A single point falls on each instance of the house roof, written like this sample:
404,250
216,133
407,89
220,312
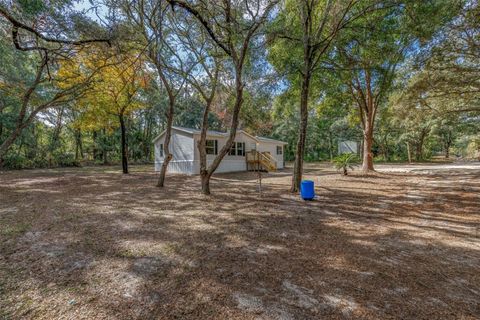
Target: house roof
193,131
263,139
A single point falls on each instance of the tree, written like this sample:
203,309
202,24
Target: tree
233,26
304,33
448,76
114,92
40,91
368,60
154,22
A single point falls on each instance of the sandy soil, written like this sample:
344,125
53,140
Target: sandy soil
90,243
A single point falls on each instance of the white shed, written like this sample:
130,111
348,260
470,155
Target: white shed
248,152
347,147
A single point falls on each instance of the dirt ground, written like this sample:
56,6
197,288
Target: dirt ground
91,243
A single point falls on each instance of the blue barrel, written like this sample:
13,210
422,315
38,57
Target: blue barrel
307,190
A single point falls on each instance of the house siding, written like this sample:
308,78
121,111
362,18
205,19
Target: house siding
181,147
272,148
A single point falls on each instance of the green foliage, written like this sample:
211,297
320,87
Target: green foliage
424,66
346,161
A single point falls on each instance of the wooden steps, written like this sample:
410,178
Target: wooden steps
261,161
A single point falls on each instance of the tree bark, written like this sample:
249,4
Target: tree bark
78,145
447,144
419,147
206,174
409,154
104,147
367,164
205,179
302,134
166,143
124,151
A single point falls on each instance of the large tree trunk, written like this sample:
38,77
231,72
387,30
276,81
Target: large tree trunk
368,120
302,133
367,164
123,130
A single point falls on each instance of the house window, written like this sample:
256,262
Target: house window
279,150
233,150
161,150
211,147
238,149
253,146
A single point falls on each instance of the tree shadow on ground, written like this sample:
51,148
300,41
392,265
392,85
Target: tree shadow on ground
116,246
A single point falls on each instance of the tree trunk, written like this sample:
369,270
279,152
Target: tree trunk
123,143
419,148
409,154
330,145
205,173
367,164
78,145
205,178
302,134
448,143
166,143
104,147
95,150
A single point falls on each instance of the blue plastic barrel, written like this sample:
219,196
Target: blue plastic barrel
307,190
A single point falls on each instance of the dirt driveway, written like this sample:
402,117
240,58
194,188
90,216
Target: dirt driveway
90,243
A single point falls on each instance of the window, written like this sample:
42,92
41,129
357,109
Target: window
161,150
241,149
253,146
279,150
238,149
233,150
211,147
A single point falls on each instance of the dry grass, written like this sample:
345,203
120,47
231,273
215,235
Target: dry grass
93,244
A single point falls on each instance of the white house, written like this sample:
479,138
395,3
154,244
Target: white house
248,152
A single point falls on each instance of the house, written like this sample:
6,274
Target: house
248,152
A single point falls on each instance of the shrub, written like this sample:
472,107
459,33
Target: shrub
15,161
65,160
346,161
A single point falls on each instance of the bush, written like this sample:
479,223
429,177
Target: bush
66,160
15,161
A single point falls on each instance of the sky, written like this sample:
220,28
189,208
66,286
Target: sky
96,11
